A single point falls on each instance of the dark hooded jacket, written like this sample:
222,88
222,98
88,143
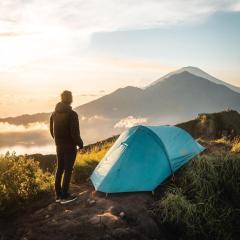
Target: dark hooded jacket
64,126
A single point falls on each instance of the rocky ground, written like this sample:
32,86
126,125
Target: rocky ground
92,216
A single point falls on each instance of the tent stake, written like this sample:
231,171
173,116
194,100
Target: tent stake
173,178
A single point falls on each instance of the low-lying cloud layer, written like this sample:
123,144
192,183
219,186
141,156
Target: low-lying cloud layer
93,129
130,121
8,128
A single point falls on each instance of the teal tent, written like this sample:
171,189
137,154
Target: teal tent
143,157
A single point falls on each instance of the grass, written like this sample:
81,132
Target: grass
236,145
87,161
204,201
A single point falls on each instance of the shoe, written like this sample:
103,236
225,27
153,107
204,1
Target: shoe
68,199
58,199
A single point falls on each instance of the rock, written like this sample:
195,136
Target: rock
115,210
67,226
68,211
54,221
50,207
39,211
122,214
109,220
147,226
125,233
82,193
120,233
24,238
95,220
91,202
106,237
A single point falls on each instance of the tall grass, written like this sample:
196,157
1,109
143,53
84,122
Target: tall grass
236,145
204,203
87,161
21,180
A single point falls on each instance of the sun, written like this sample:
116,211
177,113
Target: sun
30,43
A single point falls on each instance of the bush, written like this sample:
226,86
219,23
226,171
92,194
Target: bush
21,180
204,203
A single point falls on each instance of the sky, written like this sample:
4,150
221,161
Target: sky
93,47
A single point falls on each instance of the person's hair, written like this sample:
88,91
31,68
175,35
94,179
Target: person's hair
66,97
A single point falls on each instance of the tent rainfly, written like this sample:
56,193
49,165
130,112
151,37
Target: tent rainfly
143,157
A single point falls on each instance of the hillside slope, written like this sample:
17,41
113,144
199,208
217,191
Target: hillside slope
117,104
181,208
214,125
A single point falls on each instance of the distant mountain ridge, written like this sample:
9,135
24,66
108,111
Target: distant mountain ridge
26,118
180,93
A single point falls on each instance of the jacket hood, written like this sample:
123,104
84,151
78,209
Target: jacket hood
62,107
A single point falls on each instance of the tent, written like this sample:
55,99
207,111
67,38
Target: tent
143,157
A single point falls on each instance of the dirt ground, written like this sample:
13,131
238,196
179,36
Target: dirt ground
92,216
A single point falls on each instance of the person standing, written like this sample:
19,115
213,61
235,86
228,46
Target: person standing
64,128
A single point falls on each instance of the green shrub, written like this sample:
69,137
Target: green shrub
21,180
204,202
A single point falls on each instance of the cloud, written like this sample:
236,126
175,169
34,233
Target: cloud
236,7
90,95
107,15
133,64
130,121
11,34
62,27
94,118
11,128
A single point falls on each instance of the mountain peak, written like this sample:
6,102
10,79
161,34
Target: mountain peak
199,73
191,68
128,89
196,71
